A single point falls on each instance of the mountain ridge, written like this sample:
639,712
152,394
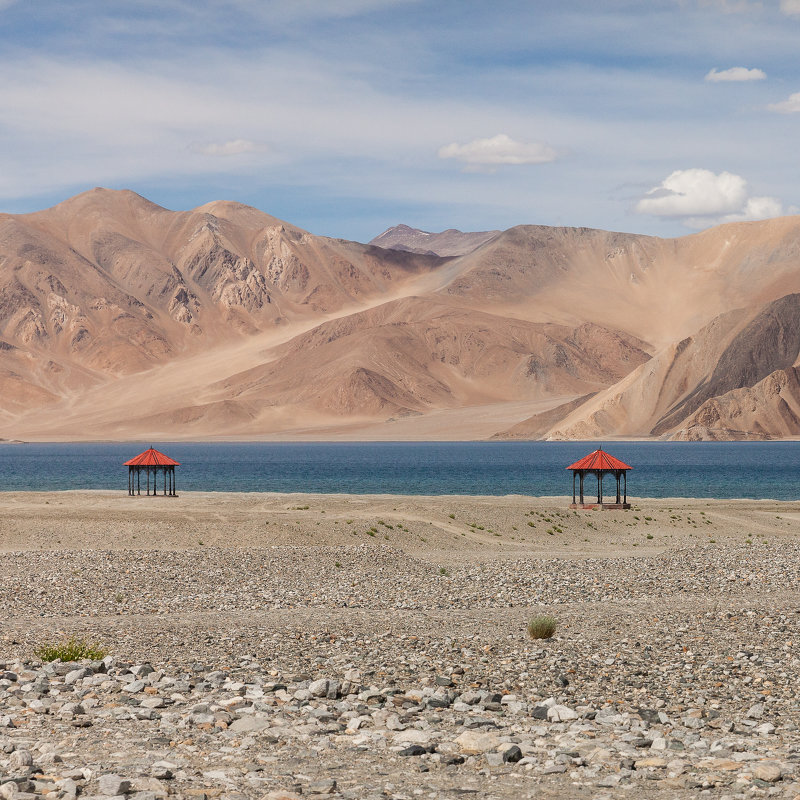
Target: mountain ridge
242,325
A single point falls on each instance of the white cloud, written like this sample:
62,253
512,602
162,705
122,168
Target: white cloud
500,149
704,198
790,7
234,147
789,106
736,74
688,192
757,208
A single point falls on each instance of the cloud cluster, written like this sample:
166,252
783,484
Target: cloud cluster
789,106
498,150
790,7
735,74
701,198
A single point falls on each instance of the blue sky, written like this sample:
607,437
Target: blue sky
348,116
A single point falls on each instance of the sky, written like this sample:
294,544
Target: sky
345,117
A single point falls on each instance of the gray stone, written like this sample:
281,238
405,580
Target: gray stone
112,785
413,750
755,711
768,771
475,743
252,723
558,713
511,754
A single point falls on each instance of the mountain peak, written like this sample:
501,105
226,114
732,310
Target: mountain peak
451,242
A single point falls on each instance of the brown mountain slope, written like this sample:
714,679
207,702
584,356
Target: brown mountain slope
113,284
769,409
633,405
661,290
119,318
413,355
702,383
768,343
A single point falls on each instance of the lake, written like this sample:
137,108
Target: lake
660,469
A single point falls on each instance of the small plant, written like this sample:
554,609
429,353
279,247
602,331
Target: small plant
649,535
72,649
452,516
443,572
541,627
371,532
337,564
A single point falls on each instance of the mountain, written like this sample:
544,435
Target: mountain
451,242
122,319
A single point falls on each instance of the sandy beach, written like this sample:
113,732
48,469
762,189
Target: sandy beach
375,646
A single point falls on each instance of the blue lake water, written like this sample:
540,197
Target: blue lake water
660,469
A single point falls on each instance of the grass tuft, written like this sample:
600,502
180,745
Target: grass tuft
72,649
541,627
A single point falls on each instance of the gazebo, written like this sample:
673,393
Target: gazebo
600,463
151,461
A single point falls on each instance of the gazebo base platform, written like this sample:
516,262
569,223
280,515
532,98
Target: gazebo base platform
601,506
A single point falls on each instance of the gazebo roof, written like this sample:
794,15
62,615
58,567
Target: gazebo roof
152,458
599,460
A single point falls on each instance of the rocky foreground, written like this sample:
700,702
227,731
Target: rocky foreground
364,671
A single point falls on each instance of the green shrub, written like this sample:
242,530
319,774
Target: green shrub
541,627
72,649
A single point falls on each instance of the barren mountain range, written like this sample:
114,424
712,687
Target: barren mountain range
121,319
451,242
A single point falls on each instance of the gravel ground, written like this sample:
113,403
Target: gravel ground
282,646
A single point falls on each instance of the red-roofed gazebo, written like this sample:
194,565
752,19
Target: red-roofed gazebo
600,463
151,461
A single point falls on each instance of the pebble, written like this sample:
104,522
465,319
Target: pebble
274,675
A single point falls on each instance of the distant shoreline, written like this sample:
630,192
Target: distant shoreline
559,500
